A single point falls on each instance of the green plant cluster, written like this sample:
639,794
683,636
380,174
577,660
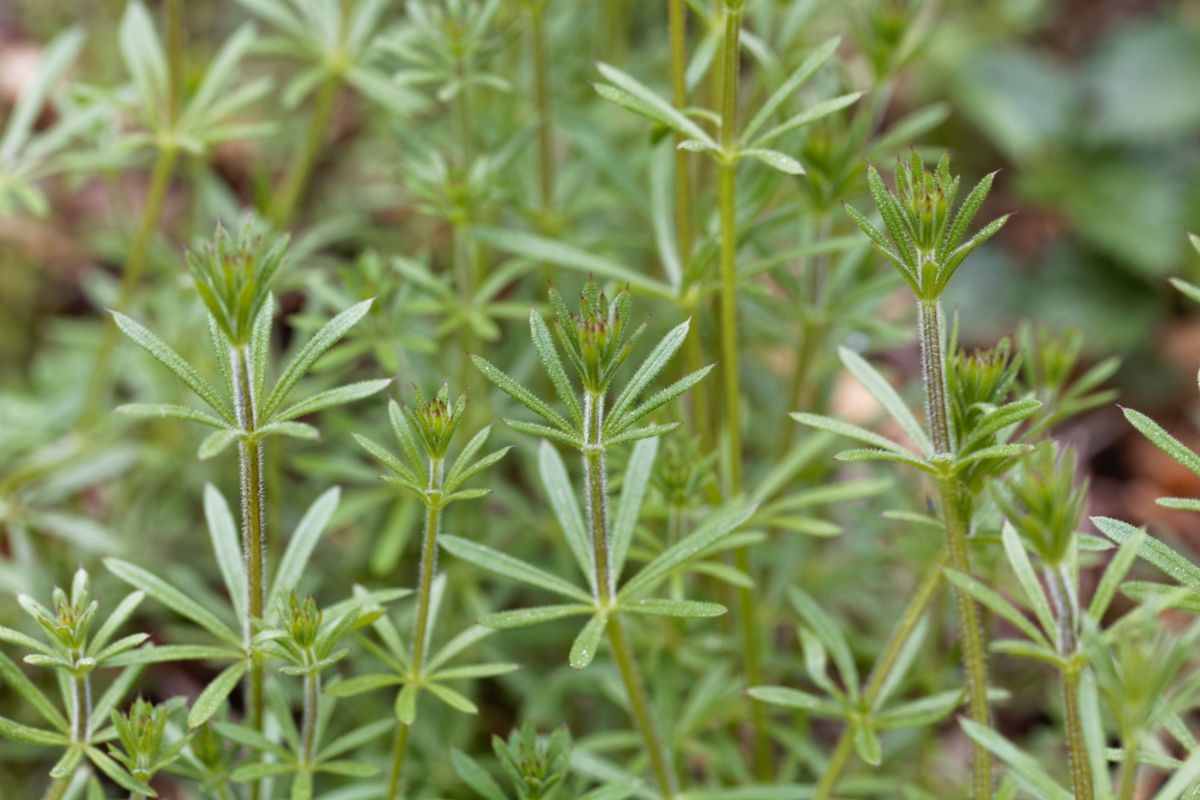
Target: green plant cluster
650,247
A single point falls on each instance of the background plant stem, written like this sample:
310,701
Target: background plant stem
131,273
308,720
727,188
81,707
541,91
1129,769
299,171
918,604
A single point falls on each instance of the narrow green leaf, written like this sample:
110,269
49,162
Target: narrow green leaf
997,604
629,506
628,92
560,493
544,344
774,159
720,523
675,608
172,598
1030,585
214,695
851,431
24,733
512,568
1163,440
522,395
788,88
649,369
304,541
363,683
19,683
338,396
406,704
1023,765
866,744
1114,574
795,698
524,617
1153,551
588,641
456,700
166,411
176,364
321,341
475,776
887,396
222,531
808,116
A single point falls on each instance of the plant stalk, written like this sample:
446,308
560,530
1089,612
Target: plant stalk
933,371
131,273
918,604
308,722
1081,770
1129,769
81,707
57,790
677,15
254,541
299,172
541,91
727,187
433,526
643,715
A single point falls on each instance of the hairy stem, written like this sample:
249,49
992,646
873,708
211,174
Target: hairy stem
1081,769
918,604
933,370
643,715
956,515
131,274
254,541
596,480
81,707
308,721
677,14
433,526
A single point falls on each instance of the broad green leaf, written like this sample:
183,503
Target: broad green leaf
629,505
887,396
313,349
214,695
675,608
720,523
222,530
304,541
172,598
524,617
588,641
561,495
176,364
1024,766
1152,550
512,568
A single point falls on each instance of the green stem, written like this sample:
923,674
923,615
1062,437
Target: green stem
956,515
81,707
933,370
747,612
1081,769
541,91
299,171
918,604
1129,769
399,749
596,480
131,273
433,526
254,542
308,722
57,790
683,180
660,760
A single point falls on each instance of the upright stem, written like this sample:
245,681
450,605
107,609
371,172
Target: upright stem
131,273
683,179
299,171
747,615
1081,769
308,722
541,91
254,541
933,371
926,591
596,480
1129,768
57,790
643,715
81,707
433,526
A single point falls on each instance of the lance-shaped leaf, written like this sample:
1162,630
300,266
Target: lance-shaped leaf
588,641
173,598
719,524
628,92
509,567
1153,551
887,396
214,695
561,495
629,505
304,541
